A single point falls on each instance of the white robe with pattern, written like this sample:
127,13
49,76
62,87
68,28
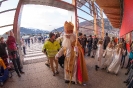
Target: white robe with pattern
68,54
115,65
108,54
99,56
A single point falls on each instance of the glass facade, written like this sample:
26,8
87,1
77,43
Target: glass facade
86,17
9,4
7,13
84,10
5,29
7,18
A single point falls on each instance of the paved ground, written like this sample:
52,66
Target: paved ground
37,75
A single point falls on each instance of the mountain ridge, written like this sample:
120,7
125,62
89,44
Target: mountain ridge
24,30
107,25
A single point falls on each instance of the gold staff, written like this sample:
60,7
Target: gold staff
76,29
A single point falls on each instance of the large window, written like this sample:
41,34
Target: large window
7,13
10,4
5,29
7,18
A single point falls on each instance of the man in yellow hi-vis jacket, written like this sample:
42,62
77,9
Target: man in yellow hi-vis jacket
51,47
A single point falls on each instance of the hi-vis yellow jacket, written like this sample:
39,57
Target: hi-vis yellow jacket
2,63
51,48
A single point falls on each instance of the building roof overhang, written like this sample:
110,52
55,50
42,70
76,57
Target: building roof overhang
113,10
55,3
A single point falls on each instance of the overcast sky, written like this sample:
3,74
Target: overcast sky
43,17
38,16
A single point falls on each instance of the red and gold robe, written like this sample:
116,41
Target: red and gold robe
74,65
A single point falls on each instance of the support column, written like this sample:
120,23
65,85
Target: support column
95,19
74,2
16,27
102,22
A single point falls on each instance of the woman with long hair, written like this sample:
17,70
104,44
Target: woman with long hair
115,65
108,55
99,54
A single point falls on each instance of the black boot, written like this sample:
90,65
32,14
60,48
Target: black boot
127,72
96,67
22,72
17,71
88,55
57,72
53,74
126,81
73,82
92,56
47,65
66,81
18,74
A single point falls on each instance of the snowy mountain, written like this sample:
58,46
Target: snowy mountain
88,24
24,30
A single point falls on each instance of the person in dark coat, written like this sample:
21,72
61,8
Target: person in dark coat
28,42
130,76
13,53
106,41
124,52
85,41
80,39
129,62
94,46
3,53
89,41
131,84
131,45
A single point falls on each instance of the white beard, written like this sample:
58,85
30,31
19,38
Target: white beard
67,42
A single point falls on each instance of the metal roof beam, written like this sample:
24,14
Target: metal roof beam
3,1
8,10
6,25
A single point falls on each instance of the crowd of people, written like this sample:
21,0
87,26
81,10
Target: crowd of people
66,46
68,51
109,53
26,42
9,52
